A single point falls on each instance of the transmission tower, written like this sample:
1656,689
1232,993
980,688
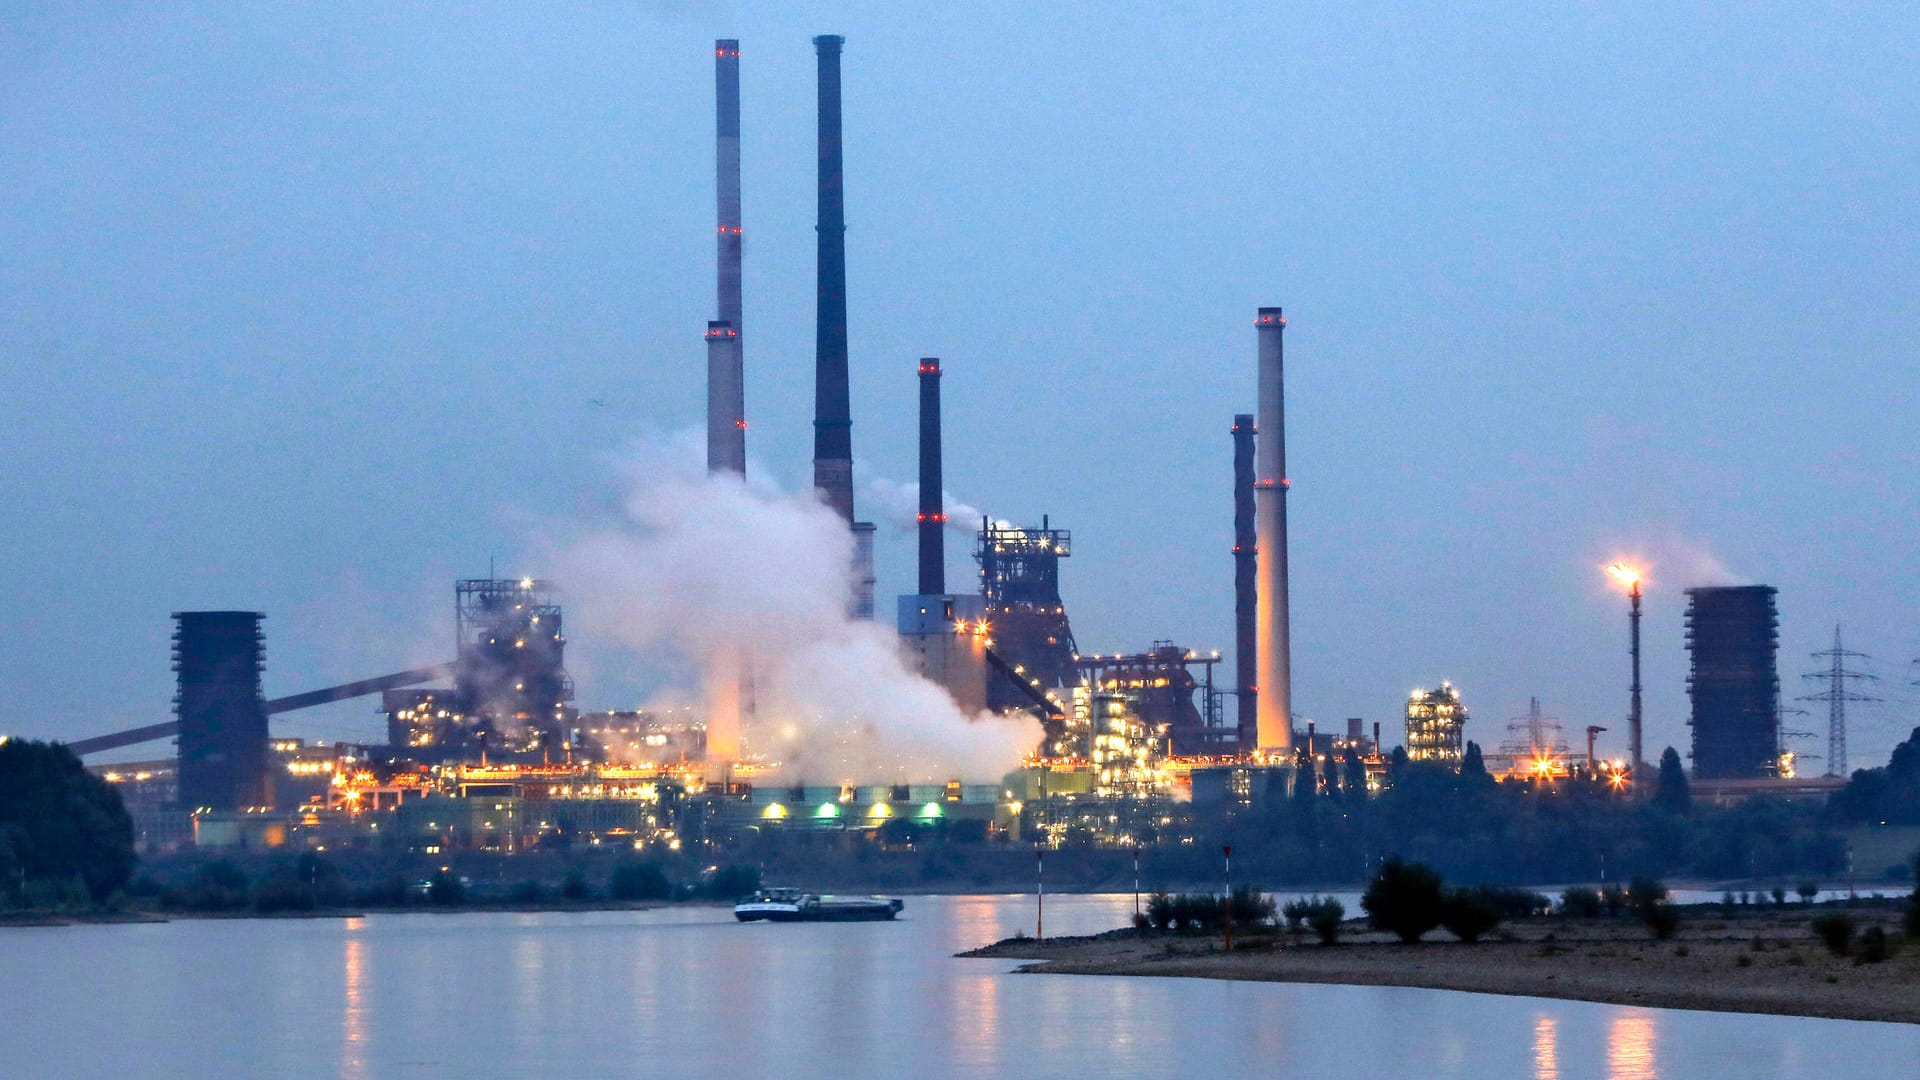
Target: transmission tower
1836,695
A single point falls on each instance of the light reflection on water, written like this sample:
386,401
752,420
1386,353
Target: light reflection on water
1630,1053
688,992
1546,1049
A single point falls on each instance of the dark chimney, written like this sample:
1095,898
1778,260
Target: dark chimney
1244,660
832,411
933,514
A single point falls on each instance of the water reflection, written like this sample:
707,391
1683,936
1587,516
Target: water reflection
1546,1049
353,1049
1630,1050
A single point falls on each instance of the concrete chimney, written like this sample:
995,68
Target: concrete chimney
832,411
1245,677
933,514
726,401
726,97
1272,646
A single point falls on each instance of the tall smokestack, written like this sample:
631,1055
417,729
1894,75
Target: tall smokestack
726,401
726,379
1245,677
1272,645
933,514
726,98
832,412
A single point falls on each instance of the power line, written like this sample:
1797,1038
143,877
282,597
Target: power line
1836,695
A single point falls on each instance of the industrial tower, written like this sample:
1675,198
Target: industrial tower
1273,645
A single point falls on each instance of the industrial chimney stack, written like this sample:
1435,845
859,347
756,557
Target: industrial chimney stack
726,379
933,513
1272,646
832,410
1246,680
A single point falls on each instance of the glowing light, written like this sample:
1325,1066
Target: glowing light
774,812
1624,574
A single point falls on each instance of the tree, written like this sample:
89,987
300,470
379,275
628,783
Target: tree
1671,792
1468,914
1473,765
62,821
1886,795
1404,899
639,881
1356,772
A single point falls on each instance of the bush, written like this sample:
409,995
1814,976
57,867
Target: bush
1580,902
1873,947
445,889
1779,894
1835,931
1662,918
1323,914
1514,903
639,881
1646,891
527,892
55,894
1142,922
1468,914
1614,898
282,892
392,892
1250,906
1404,899
1807,890
216,886
732,882
1160,911
574,886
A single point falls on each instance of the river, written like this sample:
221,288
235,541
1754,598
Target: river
687,992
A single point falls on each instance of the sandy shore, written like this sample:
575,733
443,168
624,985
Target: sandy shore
1758,963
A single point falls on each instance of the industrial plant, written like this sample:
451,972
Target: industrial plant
490,750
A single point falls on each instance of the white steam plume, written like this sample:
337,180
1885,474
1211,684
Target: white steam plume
899,504
702,564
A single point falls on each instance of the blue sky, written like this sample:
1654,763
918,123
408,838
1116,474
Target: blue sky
304,310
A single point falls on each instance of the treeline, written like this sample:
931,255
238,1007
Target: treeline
1888,795
1467,826
310,882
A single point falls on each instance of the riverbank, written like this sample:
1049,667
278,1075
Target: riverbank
1754,963
161,915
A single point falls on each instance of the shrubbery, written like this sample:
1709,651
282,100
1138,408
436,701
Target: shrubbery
1580,902
1835,931
1404,899
1207,911
1322,914
1469,914
639,881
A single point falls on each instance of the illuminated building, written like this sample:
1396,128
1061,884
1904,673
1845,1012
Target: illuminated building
1435,722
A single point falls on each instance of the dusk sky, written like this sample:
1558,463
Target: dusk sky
308,310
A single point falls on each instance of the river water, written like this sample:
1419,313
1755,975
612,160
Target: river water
687,992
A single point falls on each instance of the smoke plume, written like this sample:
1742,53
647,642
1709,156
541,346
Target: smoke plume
697,566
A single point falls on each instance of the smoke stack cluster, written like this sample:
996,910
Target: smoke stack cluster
1273,646
1245,677
933,514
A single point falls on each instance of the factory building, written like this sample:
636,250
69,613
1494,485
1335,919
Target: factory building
1163,685
511,687
1436,721
1020,582
217,660
1732,644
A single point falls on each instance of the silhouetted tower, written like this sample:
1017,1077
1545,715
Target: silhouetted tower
1732,642
1244,558
1836,695
217,659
